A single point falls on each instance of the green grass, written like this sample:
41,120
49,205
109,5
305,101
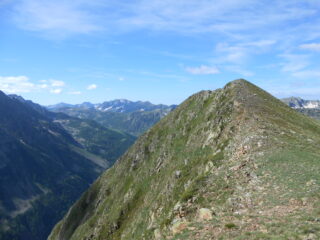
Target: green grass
144,189
230,225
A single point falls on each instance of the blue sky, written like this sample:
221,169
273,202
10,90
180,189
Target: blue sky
156,50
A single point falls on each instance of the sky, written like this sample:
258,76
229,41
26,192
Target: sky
156,50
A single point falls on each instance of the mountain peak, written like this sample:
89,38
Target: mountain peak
223,159
239,81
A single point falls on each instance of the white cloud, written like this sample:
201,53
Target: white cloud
311,46
22,84
92,87
57,83
294,62
203,70
16,84
121,78
56,91
75,93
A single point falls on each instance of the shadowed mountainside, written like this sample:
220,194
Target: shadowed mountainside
43,169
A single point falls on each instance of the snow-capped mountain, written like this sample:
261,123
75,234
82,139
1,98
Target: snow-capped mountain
296,102
120,114
118,105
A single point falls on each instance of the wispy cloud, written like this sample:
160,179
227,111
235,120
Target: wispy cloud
294,62
307,74
228,17
203,70
236,54
242,30
235,57
299,66
240,52
57,18
92,87
311,46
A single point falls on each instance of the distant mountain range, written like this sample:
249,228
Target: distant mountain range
121,115
118,105
47,160
296,102
307,107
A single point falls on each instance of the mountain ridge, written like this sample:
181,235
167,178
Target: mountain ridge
121,115
220,165
116,105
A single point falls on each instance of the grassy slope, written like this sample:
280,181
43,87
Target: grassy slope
248,158
98,140
314,113
40,174
134,123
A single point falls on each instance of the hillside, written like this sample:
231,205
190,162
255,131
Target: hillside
122,115
94,138
234,163
314,113
107,144
43,169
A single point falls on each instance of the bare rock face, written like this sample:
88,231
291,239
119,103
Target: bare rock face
204,214
179,226
225,164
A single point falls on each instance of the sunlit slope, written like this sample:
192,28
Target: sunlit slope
235,163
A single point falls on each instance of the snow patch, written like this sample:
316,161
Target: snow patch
107,109
312,105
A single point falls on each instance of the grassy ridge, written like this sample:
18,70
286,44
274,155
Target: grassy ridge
237,154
